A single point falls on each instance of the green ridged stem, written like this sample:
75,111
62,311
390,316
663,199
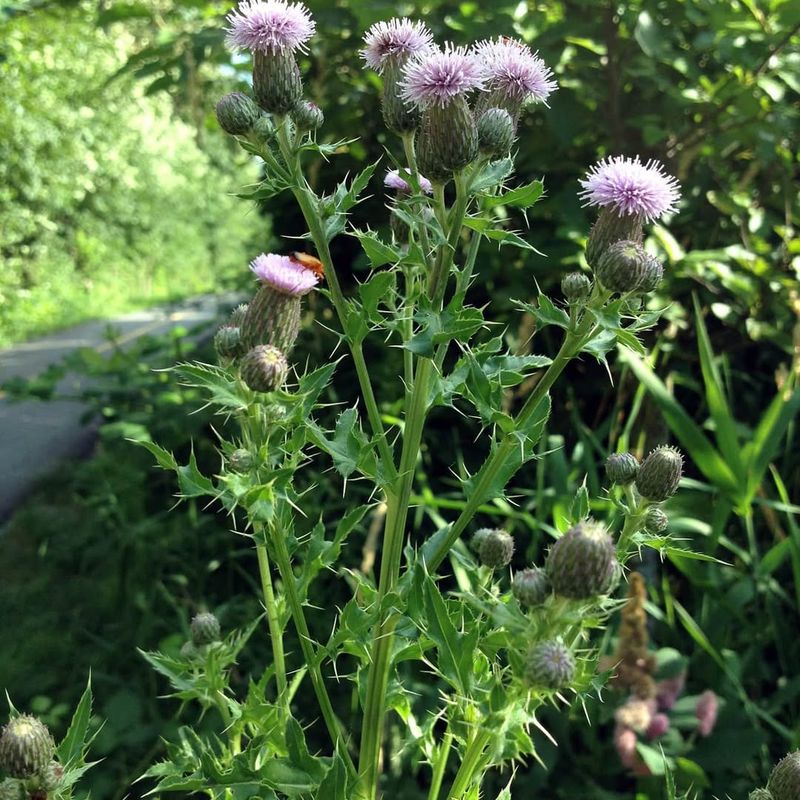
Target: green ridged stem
573,343
470,764
440,766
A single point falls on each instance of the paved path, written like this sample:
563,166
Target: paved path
36,436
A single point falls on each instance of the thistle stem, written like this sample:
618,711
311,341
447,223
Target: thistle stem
310,656
397,514
440,766
411,158
275,630
470,764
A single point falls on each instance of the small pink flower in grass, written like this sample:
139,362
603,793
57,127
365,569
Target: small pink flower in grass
625,745
436,77
631,187
394,180
283,274
269,26
669,690
658,726
515,71
398,39
706,711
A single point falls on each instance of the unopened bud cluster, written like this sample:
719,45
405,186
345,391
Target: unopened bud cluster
582,563
28,758
495,547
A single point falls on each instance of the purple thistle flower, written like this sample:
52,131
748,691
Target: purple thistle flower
436,77
269,26
398,38
394,180
283,274
631,187
515,71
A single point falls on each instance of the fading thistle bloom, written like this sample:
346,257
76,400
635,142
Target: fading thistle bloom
394,180
283,274
631,188
514,71
397,40
269,26
437,77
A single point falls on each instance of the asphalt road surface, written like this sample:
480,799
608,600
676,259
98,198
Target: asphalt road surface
36,436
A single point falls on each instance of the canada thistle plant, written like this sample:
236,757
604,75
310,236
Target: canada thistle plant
503,646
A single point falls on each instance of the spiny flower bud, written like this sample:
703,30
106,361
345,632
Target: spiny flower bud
399,116
784,782
273,316
655,521
228,342
238,315
653,274
277,85
624,266
660,474
495,132
530,587
189,650
583,562
51,777
621,468
237,113
495,547
760,794
576,287
240,460
26,747
307,116
205,628
264,368
11,789
549,665
264,130
611,228
448,139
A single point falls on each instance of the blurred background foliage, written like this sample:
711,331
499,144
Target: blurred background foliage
116,191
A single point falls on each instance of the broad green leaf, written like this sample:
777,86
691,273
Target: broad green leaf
521,197
491,175
163,457
378,252
375,291
192,482
334,784
724,422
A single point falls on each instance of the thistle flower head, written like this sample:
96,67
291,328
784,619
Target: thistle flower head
269,26
283,274
394,180
631,187
437,77
515,71
397,39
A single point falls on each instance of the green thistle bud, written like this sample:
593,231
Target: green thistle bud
277,85
11,790
660,474
228,342
272,317
655,521
784,782
621,468
530,587
264,368
238,315
624,266
495,547
576,287
307,116
609,228
549,665
51,777
241,460
189,651
26,747
760,794
264,130
447,141
495,132
399,116
583,562
653,273
237,113
205,629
